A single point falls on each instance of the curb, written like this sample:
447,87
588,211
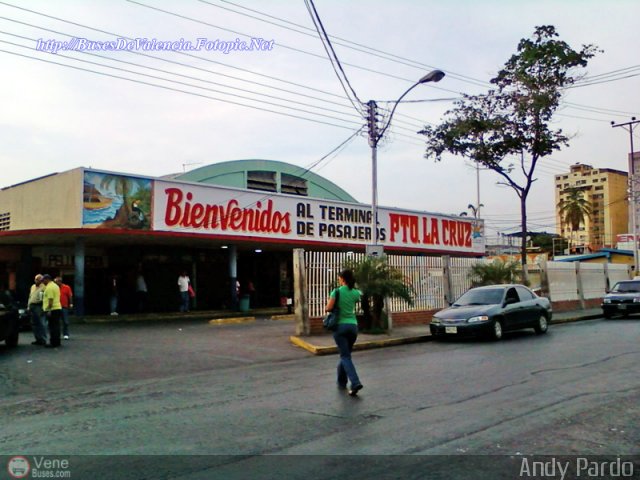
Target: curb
575,319
226,321
320,350
286,317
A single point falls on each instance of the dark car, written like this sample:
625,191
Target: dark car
9,321
493,310
622,299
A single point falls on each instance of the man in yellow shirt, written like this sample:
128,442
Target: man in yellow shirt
34,305
52,309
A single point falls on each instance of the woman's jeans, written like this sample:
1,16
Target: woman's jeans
345,336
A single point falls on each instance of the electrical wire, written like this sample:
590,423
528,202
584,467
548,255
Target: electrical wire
174,89
333,58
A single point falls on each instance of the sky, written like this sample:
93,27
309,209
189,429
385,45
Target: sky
162,112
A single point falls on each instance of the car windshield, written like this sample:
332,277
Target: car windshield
626,287
484,296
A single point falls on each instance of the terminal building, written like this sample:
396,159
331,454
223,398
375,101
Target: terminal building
228,224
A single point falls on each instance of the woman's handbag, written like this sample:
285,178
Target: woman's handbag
330,321
192,292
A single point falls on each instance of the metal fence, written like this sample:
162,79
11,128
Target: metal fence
426,276
437,280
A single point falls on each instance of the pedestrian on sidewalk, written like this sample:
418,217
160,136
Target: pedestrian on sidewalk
347,332
66,300
52,309
141,292
183,286
113,298
34,306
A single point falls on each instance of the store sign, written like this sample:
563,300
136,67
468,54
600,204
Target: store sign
185,208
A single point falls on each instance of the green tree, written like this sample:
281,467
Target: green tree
377,280
574,208
494,273
510,124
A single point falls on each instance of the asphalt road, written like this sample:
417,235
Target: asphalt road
190,400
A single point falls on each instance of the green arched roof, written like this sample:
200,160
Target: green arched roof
234,173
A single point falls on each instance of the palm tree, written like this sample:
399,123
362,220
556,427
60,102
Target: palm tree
494,273
574,208
377,280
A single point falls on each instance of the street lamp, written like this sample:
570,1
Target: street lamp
374,138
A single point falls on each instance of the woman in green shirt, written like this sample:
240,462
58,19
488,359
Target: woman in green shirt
347,332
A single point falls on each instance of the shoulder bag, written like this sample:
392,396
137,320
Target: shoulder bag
330,321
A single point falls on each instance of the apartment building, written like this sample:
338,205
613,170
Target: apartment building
606,190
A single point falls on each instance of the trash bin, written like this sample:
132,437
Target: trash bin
244,303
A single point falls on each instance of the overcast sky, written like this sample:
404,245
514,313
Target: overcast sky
54,118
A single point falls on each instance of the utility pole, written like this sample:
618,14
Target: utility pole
374,138
633,187
375,134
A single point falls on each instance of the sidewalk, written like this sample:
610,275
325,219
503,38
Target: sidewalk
212,316
324,344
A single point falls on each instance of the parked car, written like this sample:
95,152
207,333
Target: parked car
622,299
493,310
9,321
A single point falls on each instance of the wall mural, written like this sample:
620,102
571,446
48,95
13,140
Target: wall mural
116,201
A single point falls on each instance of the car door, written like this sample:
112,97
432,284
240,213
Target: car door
512,309
530,308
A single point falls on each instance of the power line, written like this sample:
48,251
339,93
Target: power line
288,47
175,89
188,84
188,65
172,73
333,58
347,43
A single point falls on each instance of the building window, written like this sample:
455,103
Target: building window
265,181
293,185
599,187
5,221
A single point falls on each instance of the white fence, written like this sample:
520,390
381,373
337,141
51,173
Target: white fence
582,281
437,280
426,275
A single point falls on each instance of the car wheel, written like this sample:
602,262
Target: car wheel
607,315
542,325
496,333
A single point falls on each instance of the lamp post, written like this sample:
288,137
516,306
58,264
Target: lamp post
374,138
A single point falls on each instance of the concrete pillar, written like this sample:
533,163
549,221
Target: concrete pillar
78,283
447,280
233,275
579,286
303,326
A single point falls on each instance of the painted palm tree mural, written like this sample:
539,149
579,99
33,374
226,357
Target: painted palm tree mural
116,201
574,208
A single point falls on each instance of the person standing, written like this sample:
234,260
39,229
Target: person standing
141,292
34,305
66,300
113,300
183,287
347,332
52,309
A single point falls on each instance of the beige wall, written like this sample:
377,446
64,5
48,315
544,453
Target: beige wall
50,202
